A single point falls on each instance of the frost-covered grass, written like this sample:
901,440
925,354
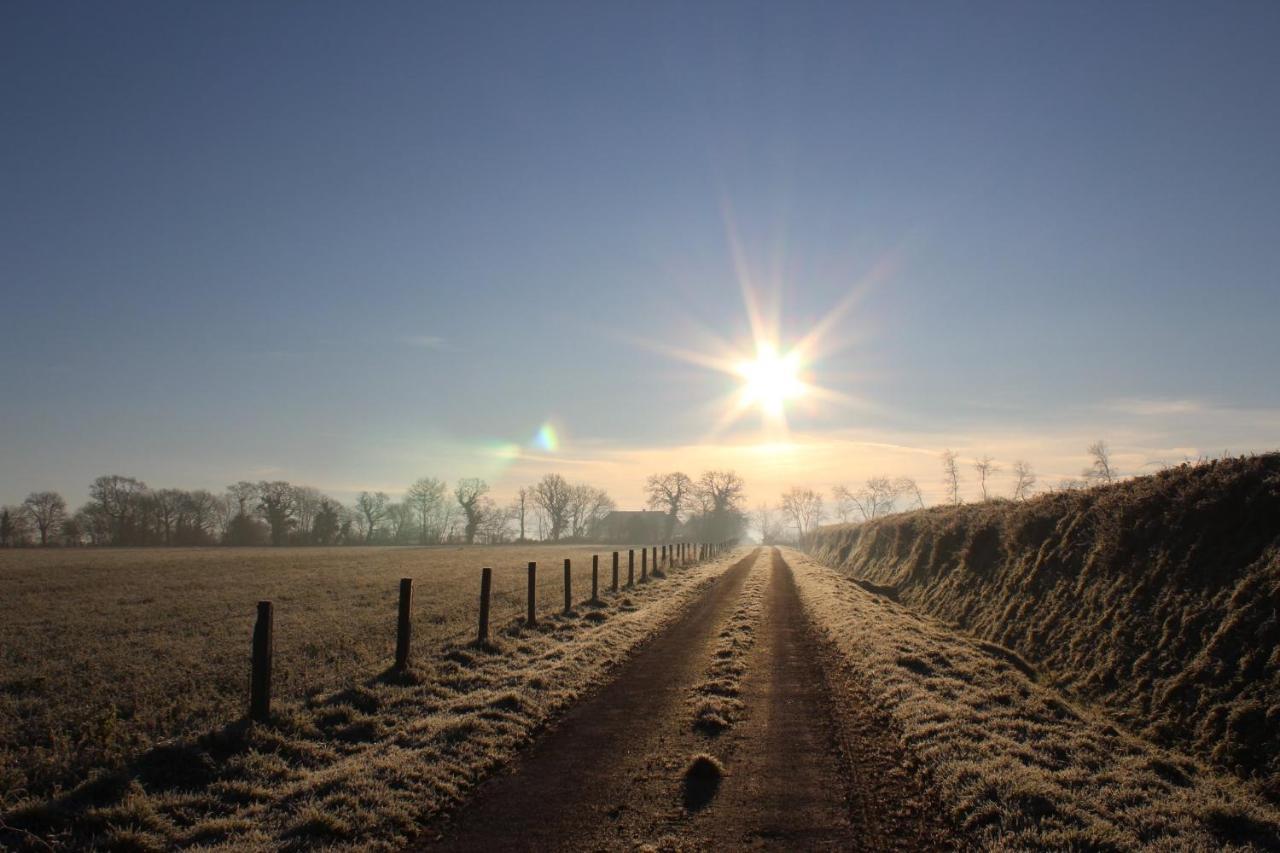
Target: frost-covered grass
360,765
104,652
716,705
1015,765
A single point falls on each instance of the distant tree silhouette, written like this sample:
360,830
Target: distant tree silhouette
553,496
276,504
373,507
1024,480
669,493
986,468
47,511
1101,471
468,493
951,477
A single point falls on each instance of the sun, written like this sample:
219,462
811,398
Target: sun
771,379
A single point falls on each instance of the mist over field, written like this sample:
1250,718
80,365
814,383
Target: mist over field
567,426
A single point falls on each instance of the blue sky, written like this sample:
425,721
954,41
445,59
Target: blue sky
352,244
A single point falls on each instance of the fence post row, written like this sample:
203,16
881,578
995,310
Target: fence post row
486,585
404,624
260,680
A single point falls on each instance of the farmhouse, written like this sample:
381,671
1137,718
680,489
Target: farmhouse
638,526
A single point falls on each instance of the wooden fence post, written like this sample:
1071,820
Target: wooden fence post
260,681
595,577
568,580
486,584
405,624
631,567
615,571
531,618
644,564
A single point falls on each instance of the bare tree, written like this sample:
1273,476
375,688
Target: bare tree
553,495
199,520
121,500
770,528
166,506
804,508
306,502
426,496
587,505
47,511
1024,480
1101,471
844,503
401,517
669,493
951,476
986,467
909,487
519,509
276,505
495,522
721,494
373,506
243,493
468,493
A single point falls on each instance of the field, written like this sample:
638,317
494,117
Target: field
104,652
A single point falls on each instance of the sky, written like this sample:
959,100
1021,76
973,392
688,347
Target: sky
350,245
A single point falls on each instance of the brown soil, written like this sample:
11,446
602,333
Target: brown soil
804,767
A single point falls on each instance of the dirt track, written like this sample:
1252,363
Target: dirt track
806,769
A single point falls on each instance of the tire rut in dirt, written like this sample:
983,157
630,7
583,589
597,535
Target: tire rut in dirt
581,776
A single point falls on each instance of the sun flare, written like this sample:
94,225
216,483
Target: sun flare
771,379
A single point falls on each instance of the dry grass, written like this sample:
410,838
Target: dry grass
716,705
1015,765
1155,597
359,767
105,652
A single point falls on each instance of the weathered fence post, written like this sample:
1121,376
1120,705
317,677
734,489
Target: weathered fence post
486,584
568,580
644,564
260,681
595,577
615,571
531,618
404,624
631,567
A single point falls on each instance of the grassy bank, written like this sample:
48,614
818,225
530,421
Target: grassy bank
1155,597
1014,765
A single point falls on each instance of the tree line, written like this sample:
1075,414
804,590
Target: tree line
801,510
124,510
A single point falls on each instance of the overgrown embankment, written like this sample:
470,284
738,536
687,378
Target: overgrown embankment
1156,597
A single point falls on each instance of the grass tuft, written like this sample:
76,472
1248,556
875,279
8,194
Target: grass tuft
701,781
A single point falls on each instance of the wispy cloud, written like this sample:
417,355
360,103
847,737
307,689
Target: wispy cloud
1156,407
435,342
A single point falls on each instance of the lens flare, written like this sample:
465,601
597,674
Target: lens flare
546,438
